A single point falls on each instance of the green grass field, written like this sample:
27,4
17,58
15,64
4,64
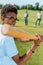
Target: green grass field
37,57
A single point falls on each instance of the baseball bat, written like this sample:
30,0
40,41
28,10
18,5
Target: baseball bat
9,30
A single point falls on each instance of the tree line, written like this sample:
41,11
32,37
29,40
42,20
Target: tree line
28,7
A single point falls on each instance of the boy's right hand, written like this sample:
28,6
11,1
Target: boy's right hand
37,42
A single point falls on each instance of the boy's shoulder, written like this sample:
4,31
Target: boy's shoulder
3,36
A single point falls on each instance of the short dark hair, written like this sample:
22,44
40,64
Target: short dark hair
8,8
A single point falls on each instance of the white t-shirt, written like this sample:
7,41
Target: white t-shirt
25,15
39,15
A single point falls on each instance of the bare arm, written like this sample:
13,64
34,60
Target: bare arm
23,59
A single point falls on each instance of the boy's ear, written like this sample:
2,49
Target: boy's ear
2,18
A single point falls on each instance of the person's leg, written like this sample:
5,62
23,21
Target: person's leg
26,21
36,22
39,22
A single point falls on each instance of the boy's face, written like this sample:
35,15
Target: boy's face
10,18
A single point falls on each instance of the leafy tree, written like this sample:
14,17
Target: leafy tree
24,7
1,6
17,6
37,6
41,7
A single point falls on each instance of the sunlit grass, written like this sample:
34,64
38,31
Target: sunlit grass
37,57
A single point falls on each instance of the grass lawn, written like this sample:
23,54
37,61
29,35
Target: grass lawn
37,57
